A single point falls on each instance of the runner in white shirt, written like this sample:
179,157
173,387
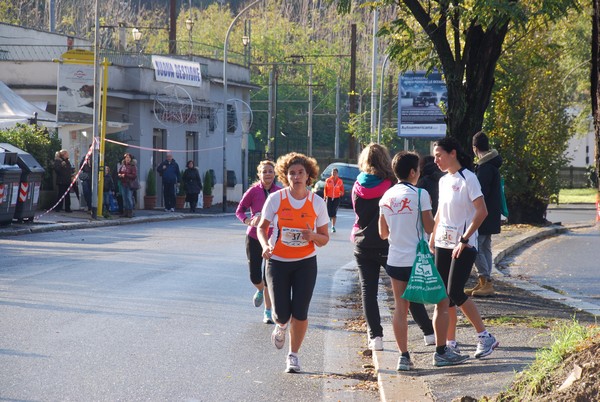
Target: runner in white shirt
461,210
399,223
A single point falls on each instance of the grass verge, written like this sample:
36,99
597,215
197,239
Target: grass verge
568,337
577,196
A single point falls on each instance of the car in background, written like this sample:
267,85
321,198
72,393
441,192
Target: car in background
425,99
347,172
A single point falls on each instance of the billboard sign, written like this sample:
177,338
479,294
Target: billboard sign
176,71
75,101
419,97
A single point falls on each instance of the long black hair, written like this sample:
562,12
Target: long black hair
449,144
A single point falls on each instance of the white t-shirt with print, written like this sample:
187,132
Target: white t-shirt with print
400,207
269,212
455,207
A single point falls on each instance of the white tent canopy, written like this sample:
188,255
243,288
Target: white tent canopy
14,109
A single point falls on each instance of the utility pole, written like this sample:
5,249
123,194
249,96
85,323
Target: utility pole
310,110
336,152
352,94
173,27
374,75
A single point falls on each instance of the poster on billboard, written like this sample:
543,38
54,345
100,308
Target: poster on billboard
419,98
75,100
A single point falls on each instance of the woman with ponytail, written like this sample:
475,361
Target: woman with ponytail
461,210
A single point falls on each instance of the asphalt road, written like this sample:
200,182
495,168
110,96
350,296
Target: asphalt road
162,311
567,263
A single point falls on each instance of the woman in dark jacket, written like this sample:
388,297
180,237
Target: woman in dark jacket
370,250
192,185
127,174
64,172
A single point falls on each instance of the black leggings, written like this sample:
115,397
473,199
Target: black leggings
455,272
291,286
255,260
369,262
332,206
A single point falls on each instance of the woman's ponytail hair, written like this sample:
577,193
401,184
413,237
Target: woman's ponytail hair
449,144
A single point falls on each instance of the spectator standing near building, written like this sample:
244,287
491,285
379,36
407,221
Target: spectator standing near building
254,199
370,250
169,171
332,193
461,211
405,212
192,185
302,223
487,170
127,174
108,190
86,180
64,174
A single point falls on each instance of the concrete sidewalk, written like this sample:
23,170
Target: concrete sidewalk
518,299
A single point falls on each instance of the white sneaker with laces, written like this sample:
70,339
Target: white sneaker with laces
292,364
376,343
278,336
486,345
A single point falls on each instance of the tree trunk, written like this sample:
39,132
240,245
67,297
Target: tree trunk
470,81
594,87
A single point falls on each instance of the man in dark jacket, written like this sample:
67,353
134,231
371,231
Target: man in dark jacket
487,171
169,171
64,171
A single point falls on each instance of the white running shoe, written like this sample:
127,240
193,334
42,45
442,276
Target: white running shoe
278,336
376,343
429,339
292,364
486,346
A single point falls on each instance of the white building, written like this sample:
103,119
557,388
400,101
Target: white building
149,112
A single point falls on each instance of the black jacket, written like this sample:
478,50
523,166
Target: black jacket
429,180
64,170
488,173
191,181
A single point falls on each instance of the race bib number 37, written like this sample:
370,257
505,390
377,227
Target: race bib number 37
292,237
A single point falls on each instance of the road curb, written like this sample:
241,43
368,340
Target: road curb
50,227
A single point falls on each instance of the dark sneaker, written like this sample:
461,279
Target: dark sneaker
405,364
278,336
292,364
450,358
486,346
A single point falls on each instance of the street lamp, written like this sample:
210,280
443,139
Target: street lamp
137,36
387,58
245,40
225,100
189,25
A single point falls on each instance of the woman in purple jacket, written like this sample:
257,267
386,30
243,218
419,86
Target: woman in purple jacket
254,199
370,250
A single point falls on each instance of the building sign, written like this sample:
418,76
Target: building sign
419,97
75,100
175,71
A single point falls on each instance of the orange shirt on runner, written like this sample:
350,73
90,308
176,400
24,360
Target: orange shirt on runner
290,223
333,190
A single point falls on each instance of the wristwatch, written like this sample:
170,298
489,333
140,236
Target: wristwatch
463,240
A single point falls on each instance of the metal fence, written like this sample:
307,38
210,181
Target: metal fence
574,177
